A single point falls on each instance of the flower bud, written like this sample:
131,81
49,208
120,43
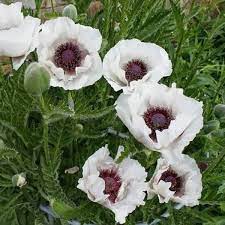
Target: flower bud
19,180
219,111
36,79
79,127
94,8
70,11
211,126
218,133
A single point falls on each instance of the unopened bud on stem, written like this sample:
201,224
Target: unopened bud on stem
219,111
70,11
36,79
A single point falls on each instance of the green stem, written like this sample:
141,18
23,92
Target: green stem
212,203
170,209
45,137
45,130
178,50
52,5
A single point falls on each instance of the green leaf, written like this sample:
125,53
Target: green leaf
63,210
221,189
7,153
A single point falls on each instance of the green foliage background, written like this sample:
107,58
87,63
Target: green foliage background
43,137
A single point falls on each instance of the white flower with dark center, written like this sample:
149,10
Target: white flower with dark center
131,61
178,180
161,118
18,35
118,186
71,52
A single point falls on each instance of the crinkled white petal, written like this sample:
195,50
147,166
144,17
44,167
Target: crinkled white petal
133,187
131,169
187,113
91,183
99,159
119,152
190,174
94,186
10,16
34,30
90,38
134,197
162,189
88,74
132,193
155,58
62,30
19,41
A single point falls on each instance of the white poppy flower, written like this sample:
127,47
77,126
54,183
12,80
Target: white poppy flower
18,35
71,52
178,180
161,118
131,62
118,186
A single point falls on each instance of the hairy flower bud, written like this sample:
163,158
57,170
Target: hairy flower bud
36,79
211,126
219,111
70,11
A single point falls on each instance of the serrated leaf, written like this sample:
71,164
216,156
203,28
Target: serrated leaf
8,153
221,189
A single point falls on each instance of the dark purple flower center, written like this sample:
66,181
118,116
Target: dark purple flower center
157,119
135,70
112,183
68,56
174,179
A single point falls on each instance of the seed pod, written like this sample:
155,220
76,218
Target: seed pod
36,79
219,111
70,11
94,8
202,166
